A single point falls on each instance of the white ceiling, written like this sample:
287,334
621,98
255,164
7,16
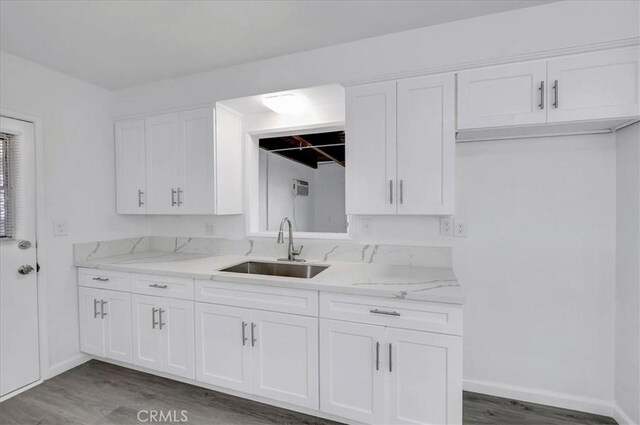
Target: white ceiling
118,44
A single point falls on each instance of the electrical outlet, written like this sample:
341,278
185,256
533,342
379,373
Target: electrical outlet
60,228
209,228
460,229
446,226
365,225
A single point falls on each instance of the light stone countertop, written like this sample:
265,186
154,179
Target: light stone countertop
436,284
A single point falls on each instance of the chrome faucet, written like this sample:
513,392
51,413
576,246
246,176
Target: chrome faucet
291,252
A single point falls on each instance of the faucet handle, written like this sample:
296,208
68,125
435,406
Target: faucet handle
298,252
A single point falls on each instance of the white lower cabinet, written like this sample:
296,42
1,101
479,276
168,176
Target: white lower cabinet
269,354
163,334
105,323
382,375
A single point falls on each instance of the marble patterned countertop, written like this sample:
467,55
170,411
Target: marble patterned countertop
424,283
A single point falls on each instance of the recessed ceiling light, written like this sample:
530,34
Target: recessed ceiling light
286,103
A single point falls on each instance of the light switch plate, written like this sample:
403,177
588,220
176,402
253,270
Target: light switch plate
60,228
209,228
446,226
460,228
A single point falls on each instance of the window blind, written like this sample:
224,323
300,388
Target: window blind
7,165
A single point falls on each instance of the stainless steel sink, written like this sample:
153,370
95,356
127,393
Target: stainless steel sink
305,271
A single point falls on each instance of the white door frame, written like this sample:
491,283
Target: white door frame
40,243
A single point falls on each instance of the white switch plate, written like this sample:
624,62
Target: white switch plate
446,226
209,228
365,225
460,229
60,228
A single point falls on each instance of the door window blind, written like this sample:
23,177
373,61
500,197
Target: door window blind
7,164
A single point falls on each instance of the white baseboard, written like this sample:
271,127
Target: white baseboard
549,398
64,366
621,417
20,390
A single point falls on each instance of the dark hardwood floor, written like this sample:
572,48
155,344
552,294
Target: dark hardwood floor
98,393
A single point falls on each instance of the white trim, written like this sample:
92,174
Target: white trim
621,417
545,54
68,364
21,390
534,395
41,239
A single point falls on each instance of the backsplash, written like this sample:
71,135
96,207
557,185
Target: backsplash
314,251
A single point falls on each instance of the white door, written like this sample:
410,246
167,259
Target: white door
228,164
19,349
176,323
595,85
426,145
147,337
285,357
352,370
196,197
425,378
91,323
117,325
502,96
223,346
130,167
165,158
370,173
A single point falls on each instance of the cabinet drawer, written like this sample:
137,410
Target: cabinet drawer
163,286
285,300
104,279
408,314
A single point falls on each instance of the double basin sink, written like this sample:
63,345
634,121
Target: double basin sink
304,271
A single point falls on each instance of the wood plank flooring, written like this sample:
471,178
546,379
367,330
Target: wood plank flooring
98,393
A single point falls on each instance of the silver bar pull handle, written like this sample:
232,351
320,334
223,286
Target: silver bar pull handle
173,197
390,362
179,197
153,317
541,105
160,311
377,356
140,193
388,313
401,191
102,313
101,279
555,94
155,285
253,339
391,191
95,308
244,338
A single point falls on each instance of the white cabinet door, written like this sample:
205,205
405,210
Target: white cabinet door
117,325
147,336
197,195
165,164
371,149
285,357
130,167
229,167
426,145
352,370
91,324
176,323
223,346
425,378
502,96
595,85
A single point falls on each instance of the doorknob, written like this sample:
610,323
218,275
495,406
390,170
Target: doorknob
26,269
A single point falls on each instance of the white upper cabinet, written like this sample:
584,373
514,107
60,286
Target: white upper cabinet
130,167
370,150
180,163
594,86
502,96
426,145
400,149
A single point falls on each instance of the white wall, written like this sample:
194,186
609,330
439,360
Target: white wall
627,328
329,199
79,181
